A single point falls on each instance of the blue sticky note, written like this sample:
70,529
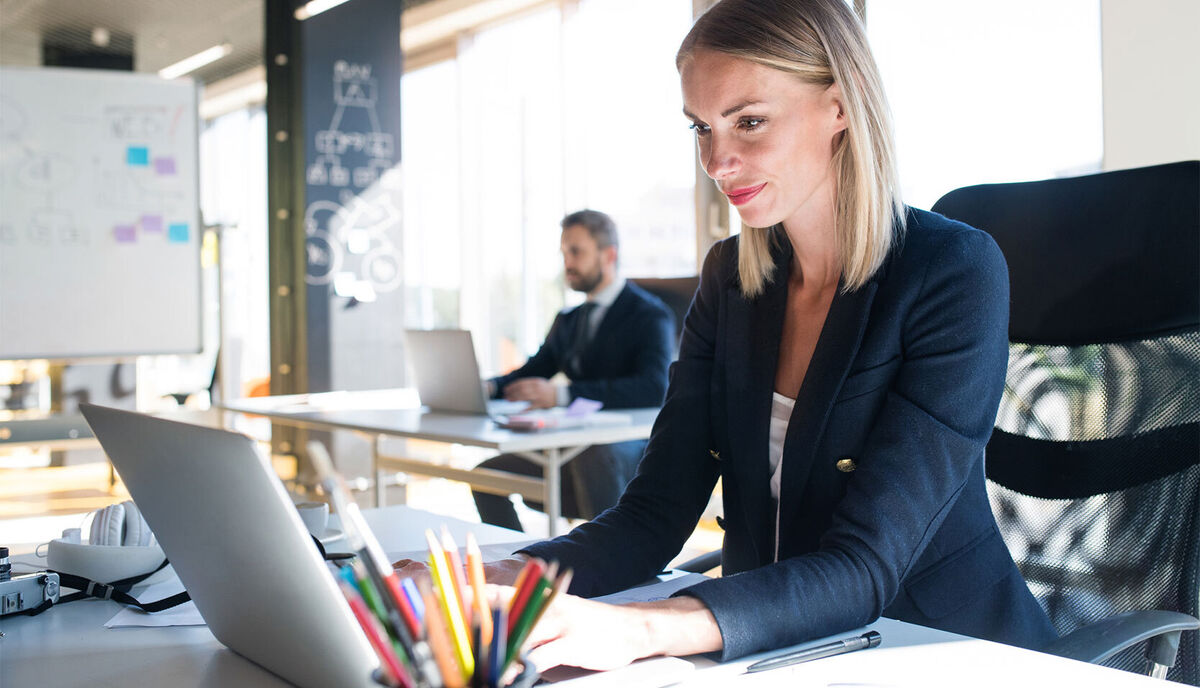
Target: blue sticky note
137,155
177,232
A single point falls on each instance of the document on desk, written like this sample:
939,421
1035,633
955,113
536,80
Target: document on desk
660,588
652,672
185,614
561,419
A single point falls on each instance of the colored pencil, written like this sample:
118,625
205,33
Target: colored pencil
479,651
454,562
537,599
439,639
480,603
385,603
396,590
414,600
534,568
498,648
560,586
450,606
376,636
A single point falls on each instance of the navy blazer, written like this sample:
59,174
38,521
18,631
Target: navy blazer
904,383
624,364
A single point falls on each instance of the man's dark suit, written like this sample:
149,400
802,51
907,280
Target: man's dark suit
883,502
624,365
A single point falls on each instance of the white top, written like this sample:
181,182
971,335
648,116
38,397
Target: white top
781,413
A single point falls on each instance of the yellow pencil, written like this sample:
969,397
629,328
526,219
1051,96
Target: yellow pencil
457,574
475,569
451,607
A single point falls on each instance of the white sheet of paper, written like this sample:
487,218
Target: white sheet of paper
185,614
652,672
659,589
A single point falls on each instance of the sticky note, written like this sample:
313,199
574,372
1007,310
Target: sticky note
137,155
164,166
177,232
152,223
125,234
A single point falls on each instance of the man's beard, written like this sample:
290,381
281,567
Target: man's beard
585,283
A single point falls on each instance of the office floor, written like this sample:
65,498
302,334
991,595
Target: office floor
36,504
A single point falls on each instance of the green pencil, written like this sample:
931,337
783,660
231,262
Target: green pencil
537,600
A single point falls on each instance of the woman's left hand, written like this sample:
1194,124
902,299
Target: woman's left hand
599,636
587,634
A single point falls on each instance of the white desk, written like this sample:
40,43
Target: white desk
382,413
68,646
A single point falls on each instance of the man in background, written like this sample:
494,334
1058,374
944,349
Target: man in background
615,348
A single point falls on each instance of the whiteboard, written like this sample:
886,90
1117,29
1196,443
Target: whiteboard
99,232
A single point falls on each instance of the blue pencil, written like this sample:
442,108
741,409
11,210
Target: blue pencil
499,646
414,598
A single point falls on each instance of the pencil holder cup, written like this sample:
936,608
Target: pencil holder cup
528,676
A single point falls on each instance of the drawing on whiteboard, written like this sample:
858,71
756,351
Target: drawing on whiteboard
349,241
357,229
353,87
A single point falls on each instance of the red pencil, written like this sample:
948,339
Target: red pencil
531,574
376,636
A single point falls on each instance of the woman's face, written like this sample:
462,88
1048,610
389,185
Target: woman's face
765,137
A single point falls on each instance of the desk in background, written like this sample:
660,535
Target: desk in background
395,413
68,646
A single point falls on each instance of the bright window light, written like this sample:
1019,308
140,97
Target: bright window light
191,64
312,9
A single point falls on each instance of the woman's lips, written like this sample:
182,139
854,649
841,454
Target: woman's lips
743,195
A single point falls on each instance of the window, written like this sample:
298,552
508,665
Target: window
536,117
990,91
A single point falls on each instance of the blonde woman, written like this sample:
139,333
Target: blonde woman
840,371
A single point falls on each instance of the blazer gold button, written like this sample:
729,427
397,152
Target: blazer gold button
715,454
846,465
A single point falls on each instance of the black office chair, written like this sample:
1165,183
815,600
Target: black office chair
1094,466
675,292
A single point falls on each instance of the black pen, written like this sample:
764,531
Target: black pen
858,642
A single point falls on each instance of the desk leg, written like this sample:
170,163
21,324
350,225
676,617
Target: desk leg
553,493
380,487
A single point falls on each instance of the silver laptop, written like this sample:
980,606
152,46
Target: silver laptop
447,374
239,547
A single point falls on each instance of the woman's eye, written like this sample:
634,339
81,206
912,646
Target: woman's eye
700,129
751,122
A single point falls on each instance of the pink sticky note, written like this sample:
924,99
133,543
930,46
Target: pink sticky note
164,166
125,234
152,223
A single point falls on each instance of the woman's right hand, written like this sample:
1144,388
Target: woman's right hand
504,571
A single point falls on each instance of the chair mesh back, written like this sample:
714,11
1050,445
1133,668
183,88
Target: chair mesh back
1094,474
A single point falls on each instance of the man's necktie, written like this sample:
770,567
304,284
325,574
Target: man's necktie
579,342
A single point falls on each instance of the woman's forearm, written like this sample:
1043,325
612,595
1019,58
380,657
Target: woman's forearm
678,626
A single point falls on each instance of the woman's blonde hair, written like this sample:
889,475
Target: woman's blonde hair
822,42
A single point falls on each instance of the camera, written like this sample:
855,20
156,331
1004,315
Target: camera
20,593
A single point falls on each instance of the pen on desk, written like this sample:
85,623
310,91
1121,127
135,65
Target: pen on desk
859,642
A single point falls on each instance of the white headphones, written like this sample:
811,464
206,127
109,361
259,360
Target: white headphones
120,525
120,545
